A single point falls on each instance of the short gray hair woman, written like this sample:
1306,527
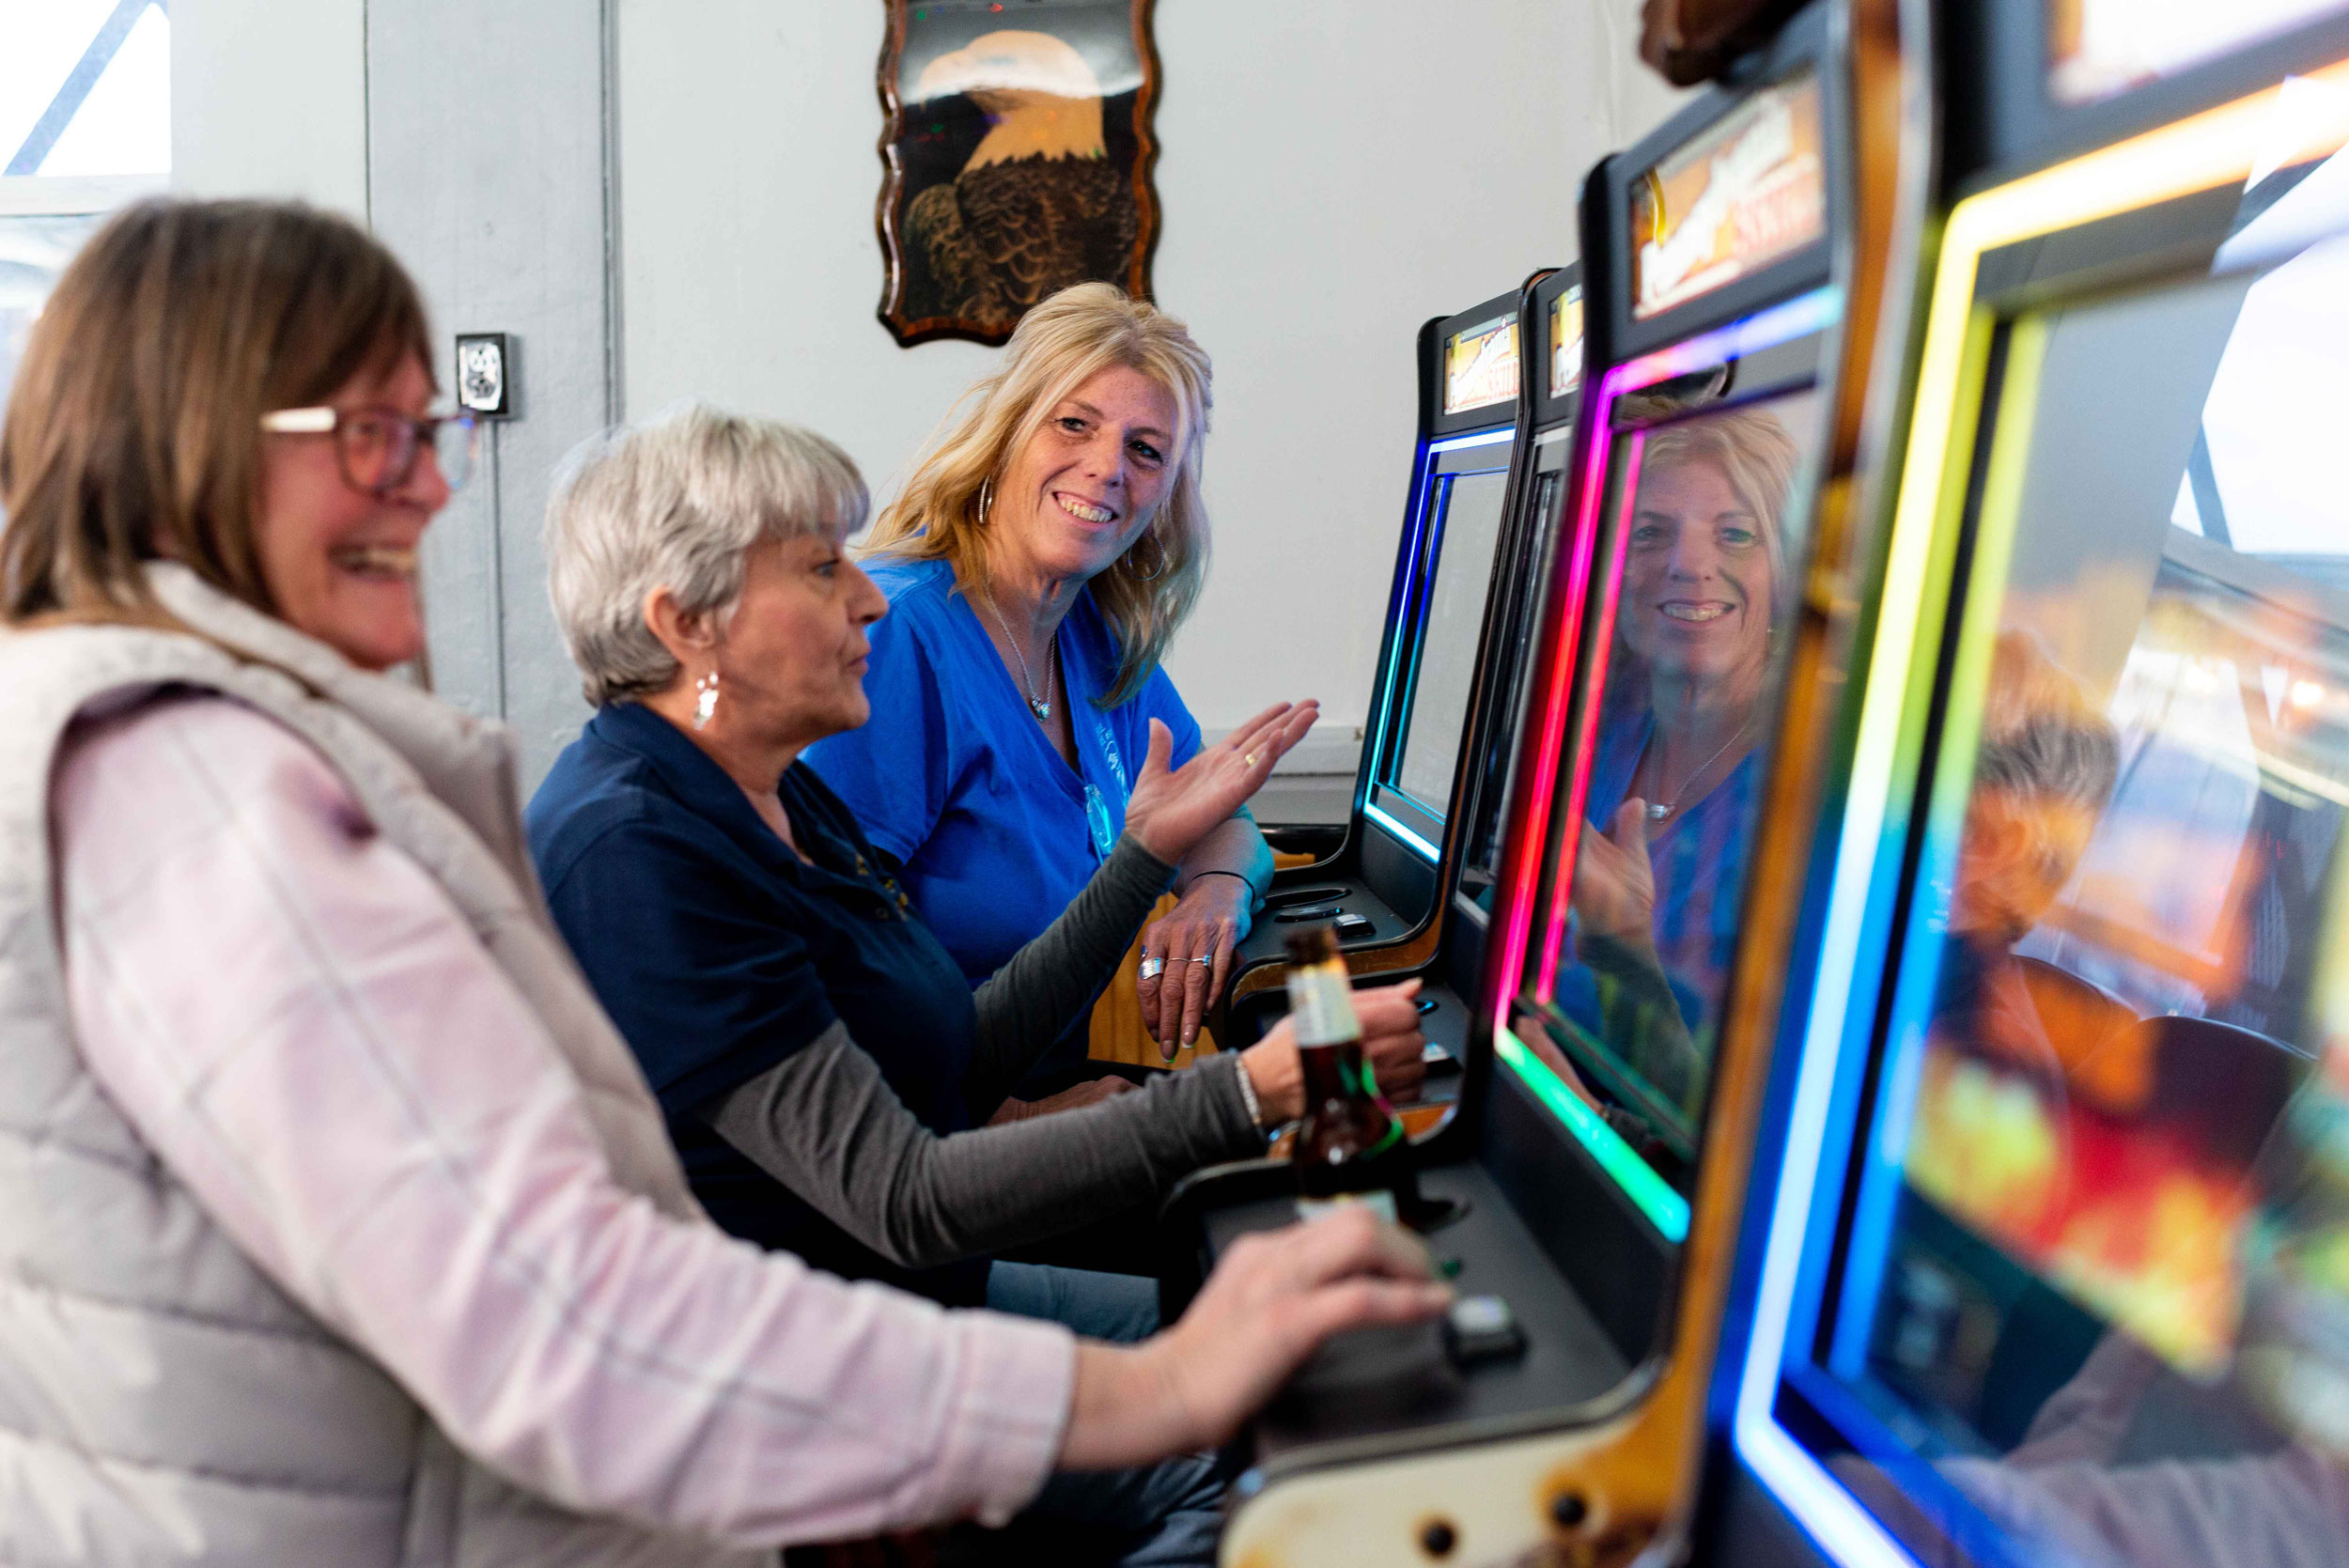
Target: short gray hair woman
679,504
820,1057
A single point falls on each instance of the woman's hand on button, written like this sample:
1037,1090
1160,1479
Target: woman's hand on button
1171,811
1392,1039
1271,1301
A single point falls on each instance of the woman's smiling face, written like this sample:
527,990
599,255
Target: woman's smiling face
1697,587
1081,489
340,562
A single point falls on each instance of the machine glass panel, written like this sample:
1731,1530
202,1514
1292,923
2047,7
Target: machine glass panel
1465,532
2097,48
1480,366
2089,1298
1692,632
1750,189
1480,865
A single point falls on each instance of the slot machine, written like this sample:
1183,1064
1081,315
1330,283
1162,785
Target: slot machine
2044,1260
1594,1163
1485,701
1381,884
1521,579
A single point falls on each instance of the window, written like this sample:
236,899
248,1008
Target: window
85,126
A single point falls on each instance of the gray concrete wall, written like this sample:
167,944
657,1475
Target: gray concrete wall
488,175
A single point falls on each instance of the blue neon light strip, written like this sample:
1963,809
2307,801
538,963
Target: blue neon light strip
1384,820
1482,438
1666,1209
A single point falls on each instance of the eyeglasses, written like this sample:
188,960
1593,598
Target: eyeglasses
377,448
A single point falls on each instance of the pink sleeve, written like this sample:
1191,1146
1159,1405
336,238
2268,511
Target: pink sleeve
299,1024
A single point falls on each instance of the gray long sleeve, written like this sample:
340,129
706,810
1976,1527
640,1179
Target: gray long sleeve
1050,984
826,1124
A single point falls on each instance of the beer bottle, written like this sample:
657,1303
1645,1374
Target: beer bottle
1349,1147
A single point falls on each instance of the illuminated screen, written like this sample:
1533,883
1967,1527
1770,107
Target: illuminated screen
2097,48
1566,342
1480,366
1750,189
1465,536
1702,589
2116,1229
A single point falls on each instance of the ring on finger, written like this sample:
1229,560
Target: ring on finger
1153,967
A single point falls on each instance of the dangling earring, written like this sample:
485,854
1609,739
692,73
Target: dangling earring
705,700
1158,552
986,499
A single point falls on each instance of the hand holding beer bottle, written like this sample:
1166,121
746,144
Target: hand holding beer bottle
1350,1147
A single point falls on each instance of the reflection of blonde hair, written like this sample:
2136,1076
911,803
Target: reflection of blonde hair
1752,450
1753,453
1059,344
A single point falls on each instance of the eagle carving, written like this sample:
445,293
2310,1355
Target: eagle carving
1039,205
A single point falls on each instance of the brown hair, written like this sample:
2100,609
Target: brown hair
133,429
2043,772
1077,333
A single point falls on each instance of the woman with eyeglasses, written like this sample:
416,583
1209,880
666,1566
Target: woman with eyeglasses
343,1227
1037,566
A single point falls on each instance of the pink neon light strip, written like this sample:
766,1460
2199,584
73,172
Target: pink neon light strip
1533,826
1570,838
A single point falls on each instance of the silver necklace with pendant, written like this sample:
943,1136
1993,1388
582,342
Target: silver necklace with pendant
1040,707
1658,810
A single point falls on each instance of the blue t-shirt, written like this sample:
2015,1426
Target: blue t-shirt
955,780
719,953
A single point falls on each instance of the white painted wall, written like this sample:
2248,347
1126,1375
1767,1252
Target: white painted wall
269,97
1304,149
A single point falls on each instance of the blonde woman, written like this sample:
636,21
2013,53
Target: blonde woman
1677,781
1037,564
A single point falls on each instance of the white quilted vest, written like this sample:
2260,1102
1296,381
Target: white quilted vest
161,1402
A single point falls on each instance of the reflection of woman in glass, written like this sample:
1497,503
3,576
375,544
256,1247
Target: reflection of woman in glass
1672,788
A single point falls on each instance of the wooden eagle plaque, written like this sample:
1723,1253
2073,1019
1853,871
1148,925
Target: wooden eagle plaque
1017,155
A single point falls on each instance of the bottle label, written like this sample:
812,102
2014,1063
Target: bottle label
1379,1201
1322,999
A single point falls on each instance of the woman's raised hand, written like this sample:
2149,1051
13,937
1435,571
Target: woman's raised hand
1614,886
1271,1301
1171,811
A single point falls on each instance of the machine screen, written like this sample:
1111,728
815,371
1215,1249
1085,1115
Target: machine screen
2097,48
1480,366
1465,531
2106,1284
1566,342
1706,554
1752,189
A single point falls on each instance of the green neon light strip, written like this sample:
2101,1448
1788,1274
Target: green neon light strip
1666,1209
